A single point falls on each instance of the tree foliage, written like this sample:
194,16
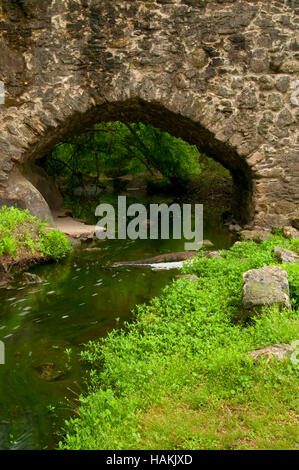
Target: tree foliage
115,148
22,235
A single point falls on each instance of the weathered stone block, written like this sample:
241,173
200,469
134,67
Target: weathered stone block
247,98
275,101
264,287
284,118
254,235
276,351
260,61
283,83
156,62
266,83
289,66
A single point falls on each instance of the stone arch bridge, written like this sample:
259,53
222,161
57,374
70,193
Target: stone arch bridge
222,74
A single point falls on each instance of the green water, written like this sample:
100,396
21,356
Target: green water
80,299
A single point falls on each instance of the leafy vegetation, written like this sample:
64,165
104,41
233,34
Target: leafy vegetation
22,235
114,149
153,159
179,376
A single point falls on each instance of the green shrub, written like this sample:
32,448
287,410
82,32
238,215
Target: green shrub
8,246
54,244
23,234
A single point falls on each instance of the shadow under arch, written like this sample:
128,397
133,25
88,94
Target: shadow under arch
136,110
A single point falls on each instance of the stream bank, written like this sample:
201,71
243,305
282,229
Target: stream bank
45,326
26,241
182,375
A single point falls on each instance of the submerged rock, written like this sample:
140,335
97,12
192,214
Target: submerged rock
285,256
278,351
75,242
266,286
29,278
49,372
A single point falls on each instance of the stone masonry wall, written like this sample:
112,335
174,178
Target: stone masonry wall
222,74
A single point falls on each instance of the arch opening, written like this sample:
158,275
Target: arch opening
149,114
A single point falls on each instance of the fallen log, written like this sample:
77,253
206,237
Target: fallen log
167,257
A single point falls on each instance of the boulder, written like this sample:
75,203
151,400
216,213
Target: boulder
45,184
278,351
21,193
265,286
254,235
285,256
49,372
290,232
190,277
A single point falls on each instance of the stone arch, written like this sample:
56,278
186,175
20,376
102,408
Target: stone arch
134,110
222,74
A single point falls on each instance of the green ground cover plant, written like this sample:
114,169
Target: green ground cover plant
23,236
179,375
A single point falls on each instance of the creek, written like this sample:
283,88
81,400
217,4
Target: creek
45,326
